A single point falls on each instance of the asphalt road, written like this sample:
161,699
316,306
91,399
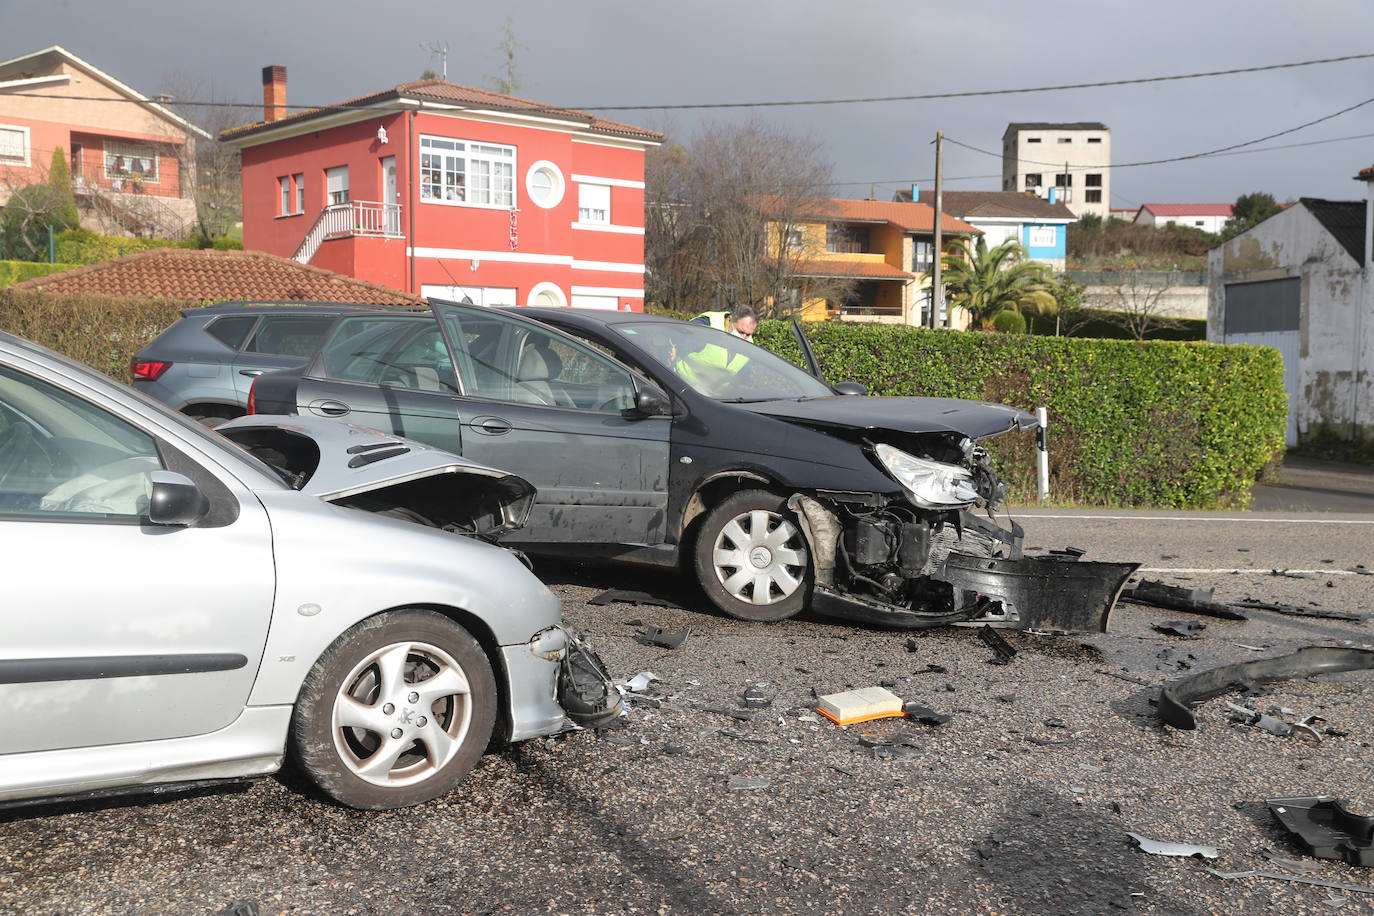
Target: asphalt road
1021,803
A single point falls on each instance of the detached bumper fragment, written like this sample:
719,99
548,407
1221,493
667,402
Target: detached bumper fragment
1325,828
1044,593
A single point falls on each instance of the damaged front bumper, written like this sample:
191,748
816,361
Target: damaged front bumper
887,563
557,681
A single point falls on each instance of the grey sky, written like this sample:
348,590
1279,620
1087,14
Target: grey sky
594,54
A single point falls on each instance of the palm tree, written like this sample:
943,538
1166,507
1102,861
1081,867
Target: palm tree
986,281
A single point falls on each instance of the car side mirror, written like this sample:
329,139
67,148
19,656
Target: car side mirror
651,402
176,500
850,388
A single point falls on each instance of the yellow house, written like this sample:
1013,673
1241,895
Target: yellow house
860,260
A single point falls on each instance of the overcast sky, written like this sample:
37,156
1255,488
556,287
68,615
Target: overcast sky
596,54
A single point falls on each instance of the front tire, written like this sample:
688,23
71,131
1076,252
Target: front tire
396,712
751,558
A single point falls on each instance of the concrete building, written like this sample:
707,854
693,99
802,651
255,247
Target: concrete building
1074,161
1300,282
1042,227
1207,217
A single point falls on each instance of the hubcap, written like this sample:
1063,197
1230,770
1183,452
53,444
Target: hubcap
401,714
759,557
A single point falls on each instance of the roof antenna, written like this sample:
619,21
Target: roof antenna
440,48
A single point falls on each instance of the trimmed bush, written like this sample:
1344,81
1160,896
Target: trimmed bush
1158,423
103,332
1009,322
12,272
80,246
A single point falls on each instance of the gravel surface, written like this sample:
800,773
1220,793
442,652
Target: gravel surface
1020,804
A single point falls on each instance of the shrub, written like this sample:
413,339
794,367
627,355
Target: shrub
103,332
79,246
25,220
18,271
1156,423
1009,322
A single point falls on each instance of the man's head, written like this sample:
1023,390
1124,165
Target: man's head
744,320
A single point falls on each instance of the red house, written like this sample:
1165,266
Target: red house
451,191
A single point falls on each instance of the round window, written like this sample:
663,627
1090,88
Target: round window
544,182
547,295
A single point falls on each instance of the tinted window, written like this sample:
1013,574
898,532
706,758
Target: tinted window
63,457
289,335
231,329
396,353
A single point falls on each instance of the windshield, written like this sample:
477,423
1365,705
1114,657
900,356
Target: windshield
720,365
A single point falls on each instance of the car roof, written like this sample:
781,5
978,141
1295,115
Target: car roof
590,316
261,306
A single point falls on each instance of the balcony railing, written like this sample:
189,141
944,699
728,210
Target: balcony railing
356,217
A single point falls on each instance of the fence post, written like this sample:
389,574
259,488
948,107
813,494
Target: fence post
1042,454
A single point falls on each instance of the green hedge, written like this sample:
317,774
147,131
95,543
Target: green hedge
78,246
12,272
1159,423
103,332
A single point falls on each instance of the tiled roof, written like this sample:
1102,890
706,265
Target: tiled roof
1050,125
994,204
850,270
1344,219
1366,174
216,276
437,90
908,217
1188,209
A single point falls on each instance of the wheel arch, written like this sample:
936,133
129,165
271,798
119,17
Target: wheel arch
714,490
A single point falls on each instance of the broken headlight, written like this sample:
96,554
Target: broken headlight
932,484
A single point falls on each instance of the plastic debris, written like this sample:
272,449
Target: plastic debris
924,714
640,682
1303,866
1325,828
1055,722
739,783
664,639
1185,628
755,698
1184,850
1175,598
1292,610
629,597
743,715
740,736
1294,878
1004,650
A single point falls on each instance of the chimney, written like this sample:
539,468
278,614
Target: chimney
273,93
915,193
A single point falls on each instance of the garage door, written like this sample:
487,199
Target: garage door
1268,314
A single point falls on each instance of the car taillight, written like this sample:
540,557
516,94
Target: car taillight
148,370
252,398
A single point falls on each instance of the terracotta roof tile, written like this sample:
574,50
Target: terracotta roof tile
1188,209
216,276
908,217
854,270
993,204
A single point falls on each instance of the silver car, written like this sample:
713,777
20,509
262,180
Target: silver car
179,609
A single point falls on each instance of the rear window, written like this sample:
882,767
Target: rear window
231,329
294,335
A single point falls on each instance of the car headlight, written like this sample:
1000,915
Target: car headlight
932,484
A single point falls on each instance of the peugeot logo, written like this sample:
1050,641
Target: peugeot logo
407,717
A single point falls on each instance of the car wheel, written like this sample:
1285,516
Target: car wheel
751,557
395,712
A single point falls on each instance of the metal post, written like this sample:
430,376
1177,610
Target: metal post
52,246
1042,453
936,282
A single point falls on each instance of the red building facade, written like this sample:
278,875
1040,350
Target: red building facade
454,192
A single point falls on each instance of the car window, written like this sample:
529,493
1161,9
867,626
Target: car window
231,329
508,359
395,353
63,457
289,335
720,365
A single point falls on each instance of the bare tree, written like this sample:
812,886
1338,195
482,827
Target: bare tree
1137,306
507,81
209,168
725,216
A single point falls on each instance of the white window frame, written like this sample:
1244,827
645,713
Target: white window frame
552,291
284,186
299,179
116,151
22,133
336,185
1042,236
484,173
594,204
558,186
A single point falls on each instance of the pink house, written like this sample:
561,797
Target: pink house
450,191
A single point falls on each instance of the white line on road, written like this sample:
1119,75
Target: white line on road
1252,571
1194,518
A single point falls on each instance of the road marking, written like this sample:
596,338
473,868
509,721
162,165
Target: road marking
1194,518
1271,571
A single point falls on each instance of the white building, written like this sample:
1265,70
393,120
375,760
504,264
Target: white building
1072,160
1207,217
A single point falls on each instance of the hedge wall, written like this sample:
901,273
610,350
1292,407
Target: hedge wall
12,272
103,332
78,246
1159,423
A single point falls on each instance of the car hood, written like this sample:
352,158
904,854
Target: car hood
975,419
354,466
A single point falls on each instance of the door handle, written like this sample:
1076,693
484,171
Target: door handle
329,408
251,372
492,426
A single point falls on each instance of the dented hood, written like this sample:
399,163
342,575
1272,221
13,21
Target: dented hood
975,419
355,466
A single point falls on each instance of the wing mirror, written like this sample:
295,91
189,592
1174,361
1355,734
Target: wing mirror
854,389
176,500
651,402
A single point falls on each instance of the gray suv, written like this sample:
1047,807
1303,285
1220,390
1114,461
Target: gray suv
204,365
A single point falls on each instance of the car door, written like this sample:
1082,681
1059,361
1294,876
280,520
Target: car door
560,414
112,629
277,342
389,373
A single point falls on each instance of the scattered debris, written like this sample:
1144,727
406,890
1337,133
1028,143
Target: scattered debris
664,639
1004,650
1185,628
1008,698
895,752
1304,866
1294,878
1241,645
1252,719
1177,699
1184,850
1177,598
923,714
1326,829
1046,742
738,783
1125,677
640,682
755,698
1295,611
240,908
740,736
1288,574
934,669
1073,553
1055,722
862,705
743,715
628,597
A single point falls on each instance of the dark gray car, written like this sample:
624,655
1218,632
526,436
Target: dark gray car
204,365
